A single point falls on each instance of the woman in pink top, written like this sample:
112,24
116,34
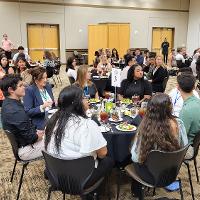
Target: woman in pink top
7,46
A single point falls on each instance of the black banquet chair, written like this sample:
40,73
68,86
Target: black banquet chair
13,142
71,80
163,167
195,146
70,176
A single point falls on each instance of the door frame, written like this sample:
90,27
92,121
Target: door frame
173,35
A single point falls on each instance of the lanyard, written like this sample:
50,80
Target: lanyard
86,91
44,94
177,98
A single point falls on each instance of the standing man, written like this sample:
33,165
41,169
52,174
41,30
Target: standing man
7,45
165,47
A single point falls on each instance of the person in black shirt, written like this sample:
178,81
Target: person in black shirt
158,76
165,47
135,84
14,119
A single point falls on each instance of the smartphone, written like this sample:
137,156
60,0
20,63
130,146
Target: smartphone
173,186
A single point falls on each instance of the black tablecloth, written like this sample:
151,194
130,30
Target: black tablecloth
119,143
103,84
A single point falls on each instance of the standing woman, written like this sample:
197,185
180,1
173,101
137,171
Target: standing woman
5,65
158,76
83,81
38,98
7,45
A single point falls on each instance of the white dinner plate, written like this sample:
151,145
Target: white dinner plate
52,111
133,129
112,120
104,129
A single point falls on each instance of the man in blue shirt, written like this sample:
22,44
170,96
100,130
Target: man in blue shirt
138,57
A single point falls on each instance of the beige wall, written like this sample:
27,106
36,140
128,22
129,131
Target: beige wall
73,20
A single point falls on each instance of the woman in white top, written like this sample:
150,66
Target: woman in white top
71,135
71,68
104,65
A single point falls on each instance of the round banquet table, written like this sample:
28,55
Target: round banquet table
119,142
103,83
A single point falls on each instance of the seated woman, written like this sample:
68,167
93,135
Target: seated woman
115,55
5,65
71,135
104,65
158,75
71,68
159,130
24,71
83,81
135,84
49,64
38,97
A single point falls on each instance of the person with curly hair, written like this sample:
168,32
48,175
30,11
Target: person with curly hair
159,130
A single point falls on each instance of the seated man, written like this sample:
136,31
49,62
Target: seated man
21,51
191,105
14,119
177,100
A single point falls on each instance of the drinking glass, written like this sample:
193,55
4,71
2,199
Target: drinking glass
104,116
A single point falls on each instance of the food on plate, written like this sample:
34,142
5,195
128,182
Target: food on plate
93,100
126,101
126,127
127,112
115,116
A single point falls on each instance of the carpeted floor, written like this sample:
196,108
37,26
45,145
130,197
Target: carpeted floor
35,187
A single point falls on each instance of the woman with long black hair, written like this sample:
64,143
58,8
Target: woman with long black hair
71,135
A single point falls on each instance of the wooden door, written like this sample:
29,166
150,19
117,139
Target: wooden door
113,36
97,39
158,36
42,37
124,39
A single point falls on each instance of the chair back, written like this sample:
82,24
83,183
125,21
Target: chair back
165,82
196,143
50,72
164,166
71,80
69,176
14,144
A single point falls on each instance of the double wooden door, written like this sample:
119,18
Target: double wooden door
158,36
108,36
42,37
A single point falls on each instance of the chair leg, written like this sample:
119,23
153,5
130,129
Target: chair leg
13,172
60,79
181,191
21,179
118,183
154,191
63,196
54,80
190,180
195,165
141,197
57,78
49,193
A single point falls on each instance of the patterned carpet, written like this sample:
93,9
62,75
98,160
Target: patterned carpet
35,187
